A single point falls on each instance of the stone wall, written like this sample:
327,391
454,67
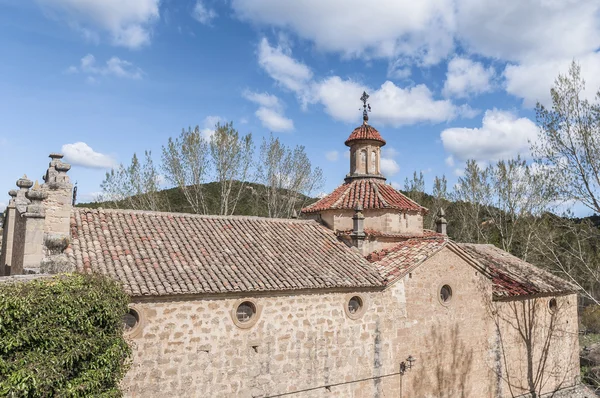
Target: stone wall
307,341
383,221
538,344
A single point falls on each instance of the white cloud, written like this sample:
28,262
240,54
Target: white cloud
208,126
128,23
502,135
389,167
532,81
203,14
289,73
392,105
527,30
270,111
396,185
332,156
262,99
465,77
114,67
273,120
81,154
382,28
450,161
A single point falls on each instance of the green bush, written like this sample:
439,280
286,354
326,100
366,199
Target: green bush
590,318
62,337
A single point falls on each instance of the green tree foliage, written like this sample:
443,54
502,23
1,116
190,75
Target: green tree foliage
62,337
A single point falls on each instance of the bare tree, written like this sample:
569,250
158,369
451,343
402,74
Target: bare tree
288,177
185,164
135,186
415,187
569,139
440,198
570,249
231,157
472,193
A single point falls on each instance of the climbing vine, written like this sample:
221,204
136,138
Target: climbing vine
62,337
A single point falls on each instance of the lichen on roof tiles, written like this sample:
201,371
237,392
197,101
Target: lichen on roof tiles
370,193
169,253
512,276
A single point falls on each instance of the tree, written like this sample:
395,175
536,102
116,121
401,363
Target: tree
135,186
185,164
569,139
288,177
231,156
471,193
440,199
63,337
520,194
415,187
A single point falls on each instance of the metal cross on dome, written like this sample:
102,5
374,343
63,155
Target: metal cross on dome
366,106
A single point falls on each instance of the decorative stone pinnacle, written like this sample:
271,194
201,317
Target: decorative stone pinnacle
13,192
56,155
24,182
358,208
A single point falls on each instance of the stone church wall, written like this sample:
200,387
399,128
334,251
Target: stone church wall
383,221
538,344
307,341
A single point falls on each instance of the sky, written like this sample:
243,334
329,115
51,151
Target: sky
449,80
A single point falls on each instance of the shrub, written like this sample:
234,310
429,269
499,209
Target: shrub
590,318
62,336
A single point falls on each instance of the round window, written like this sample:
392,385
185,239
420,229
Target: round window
354,305
552,305
245,311
131,320
446,294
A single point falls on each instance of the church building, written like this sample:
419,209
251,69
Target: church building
353,299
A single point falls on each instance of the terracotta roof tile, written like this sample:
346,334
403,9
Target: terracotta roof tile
395,262
169,254
364,132
370,193
512,276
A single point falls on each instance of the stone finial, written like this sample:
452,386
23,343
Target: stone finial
13,195
56,175
24,182
358,208
440,222
36,195
294,214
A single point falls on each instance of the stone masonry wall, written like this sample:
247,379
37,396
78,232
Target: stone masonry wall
380,220
538,346
306,341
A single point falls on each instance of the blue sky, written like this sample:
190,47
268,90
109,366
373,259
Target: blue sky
449,79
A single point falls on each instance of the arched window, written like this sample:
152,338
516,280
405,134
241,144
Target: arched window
373,161
363,160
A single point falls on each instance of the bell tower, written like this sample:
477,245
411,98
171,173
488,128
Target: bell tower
365,144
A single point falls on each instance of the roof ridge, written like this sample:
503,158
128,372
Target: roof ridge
192,215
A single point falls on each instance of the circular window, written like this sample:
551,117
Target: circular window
552,305
445,294
245,313
354,306
131,322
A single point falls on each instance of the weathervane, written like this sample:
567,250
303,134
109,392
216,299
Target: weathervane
366,107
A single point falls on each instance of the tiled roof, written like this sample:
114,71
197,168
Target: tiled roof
395,262
169,253
512,276
370,193
364,132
